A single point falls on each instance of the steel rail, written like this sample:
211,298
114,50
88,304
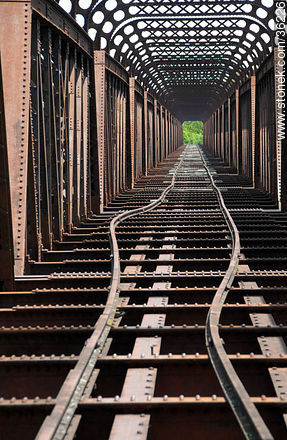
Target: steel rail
56,424
250,421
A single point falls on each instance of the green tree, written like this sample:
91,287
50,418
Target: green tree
192,132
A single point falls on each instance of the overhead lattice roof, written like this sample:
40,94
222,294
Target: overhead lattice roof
190,52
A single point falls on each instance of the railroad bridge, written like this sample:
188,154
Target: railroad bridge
143,281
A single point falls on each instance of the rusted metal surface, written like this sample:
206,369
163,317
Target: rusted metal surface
173,68
55,426
132,131
6,237
253,125
248,417
70,163
15,30
100,155
99,70
180,249
254,150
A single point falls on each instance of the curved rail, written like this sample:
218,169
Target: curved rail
55,425
250,420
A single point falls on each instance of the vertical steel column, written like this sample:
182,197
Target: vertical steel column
71,139
253,119
237,127
229,132
6,235
46,141
57,224
169,133
99,74
278,72
118,138
78,158
15,36
161,132
124,137
34,234
65,69
175,133
145,135
155,132
132,130
206,133
205,128
222,134
166,133
218,132
108,149
84,190
210,133
215,134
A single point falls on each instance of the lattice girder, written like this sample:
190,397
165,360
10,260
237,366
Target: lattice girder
220,42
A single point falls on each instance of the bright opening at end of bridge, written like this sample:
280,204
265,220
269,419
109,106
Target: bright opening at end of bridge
192,132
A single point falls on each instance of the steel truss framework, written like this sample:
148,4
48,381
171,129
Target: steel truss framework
186,51
103,210
80,128
245,134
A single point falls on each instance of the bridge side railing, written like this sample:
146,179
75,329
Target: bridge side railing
79,128
244,131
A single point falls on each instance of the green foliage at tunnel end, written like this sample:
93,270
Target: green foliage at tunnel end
192,132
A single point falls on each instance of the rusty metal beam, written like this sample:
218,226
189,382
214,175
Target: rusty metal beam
99,74
132,131
6,237
280,130
253,128
15,35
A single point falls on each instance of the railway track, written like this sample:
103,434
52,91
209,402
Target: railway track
140,342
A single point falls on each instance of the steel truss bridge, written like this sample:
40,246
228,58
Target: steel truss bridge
143,282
